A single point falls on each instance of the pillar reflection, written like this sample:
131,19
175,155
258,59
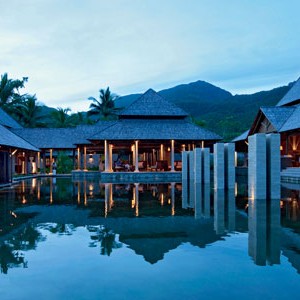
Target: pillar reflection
219,211
264,231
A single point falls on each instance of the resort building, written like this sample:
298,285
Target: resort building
149,135
284,118
10,145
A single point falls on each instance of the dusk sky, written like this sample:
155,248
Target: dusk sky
70,49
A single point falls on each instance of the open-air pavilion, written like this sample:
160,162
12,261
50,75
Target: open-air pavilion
150,135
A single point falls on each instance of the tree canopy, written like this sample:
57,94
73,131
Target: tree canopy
104,108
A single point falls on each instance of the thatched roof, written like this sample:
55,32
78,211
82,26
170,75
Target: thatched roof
155,129
7,121
9,139
151,104
292,96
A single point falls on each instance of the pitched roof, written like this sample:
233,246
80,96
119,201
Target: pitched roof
61,138
9,139
7,121
293,122
83,132
241,137
278,115
292,95
154,129
151,104
48,138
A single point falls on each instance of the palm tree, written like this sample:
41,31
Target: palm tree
62,118
81,118
29,112
9,90
104,108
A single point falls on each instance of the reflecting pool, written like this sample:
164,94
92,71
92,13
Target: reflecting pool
61,239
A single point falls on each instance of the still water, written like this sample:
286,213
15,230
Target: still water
87,240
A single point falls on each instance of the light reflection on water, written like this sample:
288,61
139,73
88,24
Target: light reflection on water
185,239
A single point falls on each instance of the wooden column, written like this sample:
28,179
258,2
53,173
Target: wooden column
51,158
110,158
84,159
106,157
78,159
161,151
136,156
38,163
172,156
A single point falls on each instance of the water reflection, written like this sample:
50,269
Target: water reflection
104,237
264,231
150,219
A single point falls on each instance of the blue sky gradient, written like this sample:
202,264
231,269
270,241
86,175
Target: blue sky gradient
70,49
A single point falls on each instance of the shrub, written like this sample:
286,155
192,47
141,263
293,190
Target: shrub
64,163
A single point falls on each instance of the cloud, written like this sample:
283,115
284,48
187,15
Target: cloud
71,49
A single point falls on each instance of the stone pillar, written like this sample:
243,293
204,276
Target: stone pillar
198,165
106,156
219,181
229,157
185,165
205,166
191,165
84,158
257,175
136,156
273,166
172,156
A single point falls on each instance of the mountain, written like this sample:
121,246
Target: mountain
217,108
196,97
